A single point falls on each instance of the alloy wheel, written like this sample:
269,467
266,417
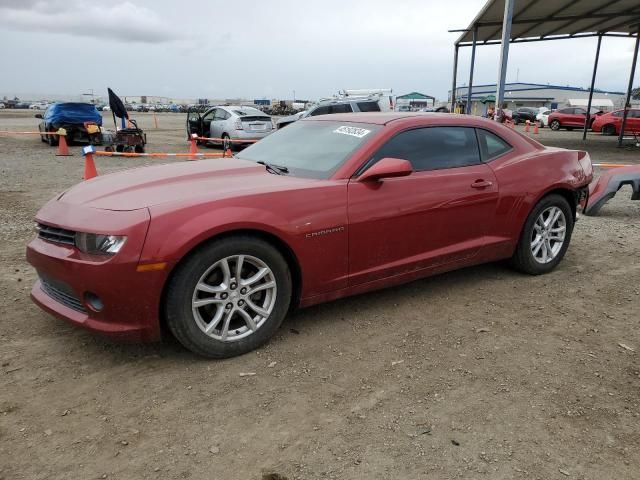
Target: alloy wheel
234,297
548,234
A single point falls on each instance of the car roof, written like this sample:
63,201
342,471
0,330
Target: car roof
383,118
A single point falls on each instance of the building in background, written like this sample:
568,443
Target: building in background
537,95
414,101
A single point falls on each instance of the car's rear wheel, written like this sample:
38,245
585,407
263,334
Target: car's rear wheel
609,130
545,237
554,125
228,297
226,142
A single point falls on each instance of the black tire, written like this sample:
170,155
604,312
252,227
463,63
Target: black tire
516,121
569,129
523,259
555,125
609,130
226,142
52,140
180,293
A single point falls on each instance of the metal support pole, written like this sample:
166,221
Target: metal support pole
504,55
593,83
628,99
455,74
473,61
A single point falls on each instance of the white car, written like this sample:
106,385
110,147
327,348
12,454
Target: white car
1,106
543,118
38,106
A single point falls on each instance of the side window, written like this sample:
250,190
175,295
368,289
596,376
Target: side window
491,146
341,108
368,107
320,111
566,110
221,114
634,113
580,111
210,115
433,148
617,114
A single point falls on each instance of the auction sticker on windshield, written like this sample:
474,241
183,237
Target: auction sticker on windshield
353,131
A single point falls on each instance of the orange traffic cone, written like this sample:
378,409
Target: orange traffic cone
193,148
228,153
89,166
527,125
63,148
536,126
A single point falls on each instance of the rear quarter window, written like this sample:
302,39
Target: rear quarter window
368,107
491,146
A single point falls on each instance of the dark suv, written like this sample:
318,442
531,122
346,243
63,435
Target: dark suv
523,114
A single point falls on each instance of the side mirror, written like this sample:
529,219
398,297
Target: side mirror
38,115
386,168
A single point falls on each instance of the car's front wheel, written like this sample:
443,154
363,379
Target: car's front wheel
554,125
228,297
609,130
545,236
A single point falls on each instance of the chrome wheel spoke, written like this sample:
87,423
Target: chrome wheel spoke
239,263
259,310
207,301
262,286
248,319
226,272
215,321
250,281
203,287
225,325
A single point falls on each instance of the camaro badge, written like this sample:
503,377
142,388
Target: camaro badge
326,231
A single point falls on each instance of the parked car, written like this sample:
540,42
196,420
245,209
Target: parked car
333,205
38,106
229,123
342,105
610,123
522,114
75,118
571,117
2,106
543,117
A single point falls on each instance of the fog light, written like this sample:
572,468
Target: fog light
93,301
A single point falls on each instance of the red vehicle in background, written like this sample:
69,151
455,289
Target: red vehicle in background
610,123
571,117
217,252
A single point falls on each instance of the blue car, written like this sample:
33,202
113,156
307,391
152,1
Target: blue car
80,120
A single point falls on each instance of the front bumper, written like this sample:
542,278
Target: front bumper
68,277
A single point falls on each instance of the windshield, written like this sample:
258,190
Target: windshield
310,148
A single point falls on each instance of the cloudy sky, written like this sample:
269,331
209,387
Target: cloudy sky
268,49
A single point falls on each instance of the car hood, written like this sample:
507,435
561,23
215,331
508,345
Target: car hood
178,182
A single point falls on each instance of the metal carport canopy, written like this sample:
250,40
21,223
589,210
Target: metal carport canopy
535,20
516,21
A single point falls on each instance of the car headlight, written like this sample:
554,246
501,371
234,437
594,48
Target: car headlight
97,244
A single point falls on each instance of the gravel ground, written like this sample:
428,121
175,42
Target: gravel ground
480,373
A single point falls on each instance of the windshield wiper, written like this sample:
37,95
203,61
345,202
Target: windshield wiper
273,168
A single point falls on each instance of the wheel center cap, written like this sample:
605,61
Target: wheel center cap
234,295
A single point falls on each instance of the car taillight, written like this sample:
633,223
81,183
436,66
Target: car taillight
238,125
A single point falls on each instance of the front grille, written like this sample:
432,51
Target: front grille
62,293
56,235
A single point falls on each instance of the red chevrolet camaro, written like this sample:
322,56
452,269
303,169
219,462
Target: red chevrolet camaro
217,252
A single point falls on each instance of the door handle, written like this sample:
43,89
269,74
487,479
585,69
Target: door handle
481,184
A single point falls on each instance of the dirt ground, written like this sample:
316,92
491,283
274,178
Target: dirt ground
480,373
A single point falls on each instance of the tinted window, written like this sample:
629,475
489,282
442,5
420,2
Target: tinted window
341,108
433,148
617,114
580,111
634,114
491,145
566,110
368,107
320,111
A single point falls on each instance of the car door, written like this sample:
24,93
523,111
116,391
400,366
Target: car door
437,215
578,117
194,123
214,119
633,122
